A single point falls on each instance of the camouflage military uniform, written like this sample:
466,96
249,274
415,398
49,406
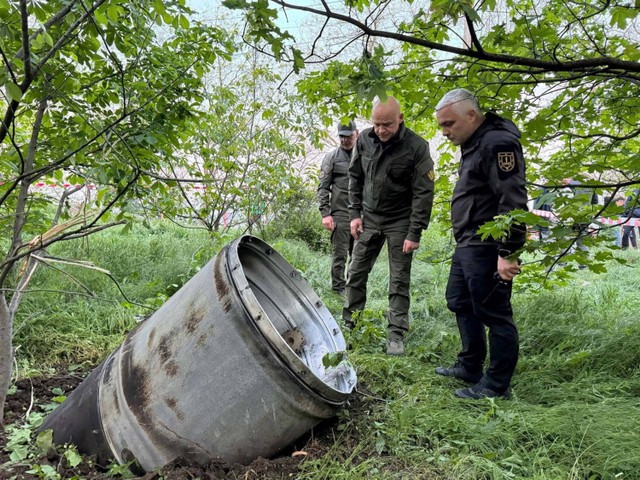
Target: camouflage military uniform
333,197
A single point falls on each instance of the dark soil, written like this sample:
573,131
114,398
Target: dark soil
34,392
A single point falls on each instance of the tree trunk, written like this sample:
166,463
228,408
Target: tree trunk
6,352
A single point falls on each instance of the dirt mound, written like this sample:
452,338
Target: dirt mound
32,393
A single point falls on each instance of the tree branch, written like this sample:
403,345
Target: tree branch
26,83
536,64
24,21
472,33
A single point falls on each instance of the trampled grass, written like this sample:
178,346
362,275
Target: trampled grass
575,412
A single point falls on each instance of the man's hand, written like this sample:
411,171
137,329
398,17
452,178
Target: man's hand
507,269
327,222
356,227
409,246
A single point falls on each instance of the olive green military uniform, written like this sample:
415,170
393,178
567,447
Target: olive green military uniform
333,197
391,189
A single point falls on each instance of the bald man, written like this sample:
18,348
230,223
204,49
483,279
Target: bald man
390,198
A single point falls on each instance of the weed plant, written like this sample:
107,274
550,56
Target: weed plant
574,413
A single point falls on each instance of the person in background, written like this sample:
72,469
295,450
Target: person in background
631,211
391,181
333,197
581,229
544,202
619,201
491,182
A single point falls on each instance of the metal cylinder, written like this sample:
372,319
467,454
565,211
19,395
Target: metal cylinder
229,368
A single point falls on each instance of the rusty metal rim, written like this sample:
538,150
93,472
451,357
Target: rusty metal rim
286,356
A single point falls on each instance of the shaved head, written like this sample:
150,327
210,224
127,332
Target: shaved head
386,117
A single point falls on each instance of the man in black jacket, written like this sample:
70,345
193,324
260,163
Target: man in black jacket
390,198
333,197
491,182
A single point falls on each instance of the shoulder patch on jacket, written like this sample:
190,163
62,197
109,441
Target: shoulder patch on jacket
507,158
506,161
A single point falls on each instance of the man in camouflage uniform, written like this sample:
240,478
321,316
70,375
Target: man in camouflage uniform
333,197
390,198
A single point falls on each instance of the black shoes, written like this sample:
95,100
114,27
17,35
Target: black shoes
478,392
459,372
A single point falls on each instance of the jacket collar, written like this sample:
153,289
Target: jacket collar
491,122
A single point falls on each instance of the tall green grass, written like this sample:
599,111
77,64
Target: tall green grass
575,412
77,314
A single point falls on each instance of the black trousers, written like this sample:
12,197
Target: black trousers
628,237
479,301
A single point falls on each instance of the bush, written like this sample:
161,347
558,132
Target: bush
298,218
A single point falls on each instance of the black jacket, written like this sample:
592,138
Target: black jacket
391,185
492,182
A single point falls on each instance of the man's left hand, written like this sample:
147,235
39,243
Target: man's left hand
507,269
409,246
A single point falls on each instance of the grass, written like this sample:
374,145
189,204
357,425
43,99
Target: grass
574,414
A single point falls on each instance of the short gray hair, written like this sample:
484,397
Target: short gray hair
459,95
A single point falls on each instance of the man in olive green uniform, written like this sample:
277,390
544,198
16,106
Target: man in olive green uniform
333,196
390,198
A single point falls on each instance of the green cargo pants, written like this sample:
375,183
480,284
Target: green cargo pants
365,252
341,246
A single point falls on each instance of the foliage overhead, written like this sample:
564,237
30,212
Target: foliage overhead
96,96
247,150
567,73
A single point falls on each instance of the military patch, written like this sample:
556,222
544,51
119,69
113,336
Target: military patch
431,175
322,174
506,161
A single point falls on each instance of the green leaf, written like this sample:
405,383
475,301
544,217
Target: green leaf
333,359
47,38
471,13
13,91
44,441
19,453
4,8
578,358
73,457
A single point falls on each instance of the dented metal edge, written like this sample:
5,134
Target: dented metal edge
290,361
